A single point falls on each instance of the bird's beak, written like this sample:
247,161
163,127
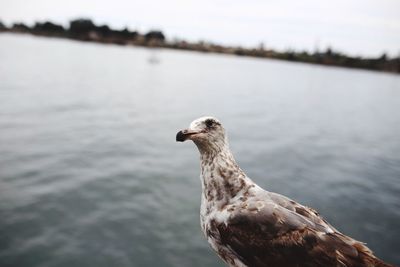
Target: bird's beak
183,135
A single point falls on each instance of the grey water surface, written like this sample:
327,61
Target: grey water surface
91,175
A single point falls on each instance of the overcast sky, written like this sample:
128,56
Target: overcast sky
357,27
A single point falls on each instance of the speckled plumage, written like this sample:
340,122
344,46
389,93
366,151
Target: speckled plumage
248,226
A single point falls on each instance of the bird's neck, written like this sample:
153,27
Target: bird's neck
222,179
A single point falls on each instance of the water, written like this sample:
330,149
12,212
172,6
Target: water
91,175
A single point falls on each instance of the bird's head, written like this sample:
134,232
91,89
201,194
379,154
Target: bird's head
206,132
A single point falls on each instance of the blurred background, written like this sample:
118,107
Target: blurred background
92,94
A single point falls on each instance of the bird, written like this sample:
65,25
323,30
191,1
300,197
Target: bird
249,226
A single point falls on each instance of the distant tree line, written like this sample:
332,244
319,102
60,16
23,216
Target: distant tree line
85,30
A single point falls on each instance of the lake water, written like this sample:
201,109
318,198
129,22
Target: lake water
91,175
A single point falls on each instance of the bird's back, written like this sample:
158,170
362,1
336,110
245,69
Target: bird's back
268,229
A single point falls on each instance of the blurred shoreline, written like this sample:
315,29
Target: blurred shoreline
86,30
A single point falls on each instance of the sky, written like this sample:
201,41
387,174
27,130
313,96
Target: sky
355,27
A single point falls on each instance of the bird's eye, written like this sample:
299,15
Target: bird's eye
209,123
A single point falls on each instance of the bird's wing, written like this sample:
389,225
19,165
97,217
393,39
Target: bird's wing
304,211
265,233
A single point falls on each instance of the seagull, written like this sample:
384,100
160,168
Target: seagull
249,226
